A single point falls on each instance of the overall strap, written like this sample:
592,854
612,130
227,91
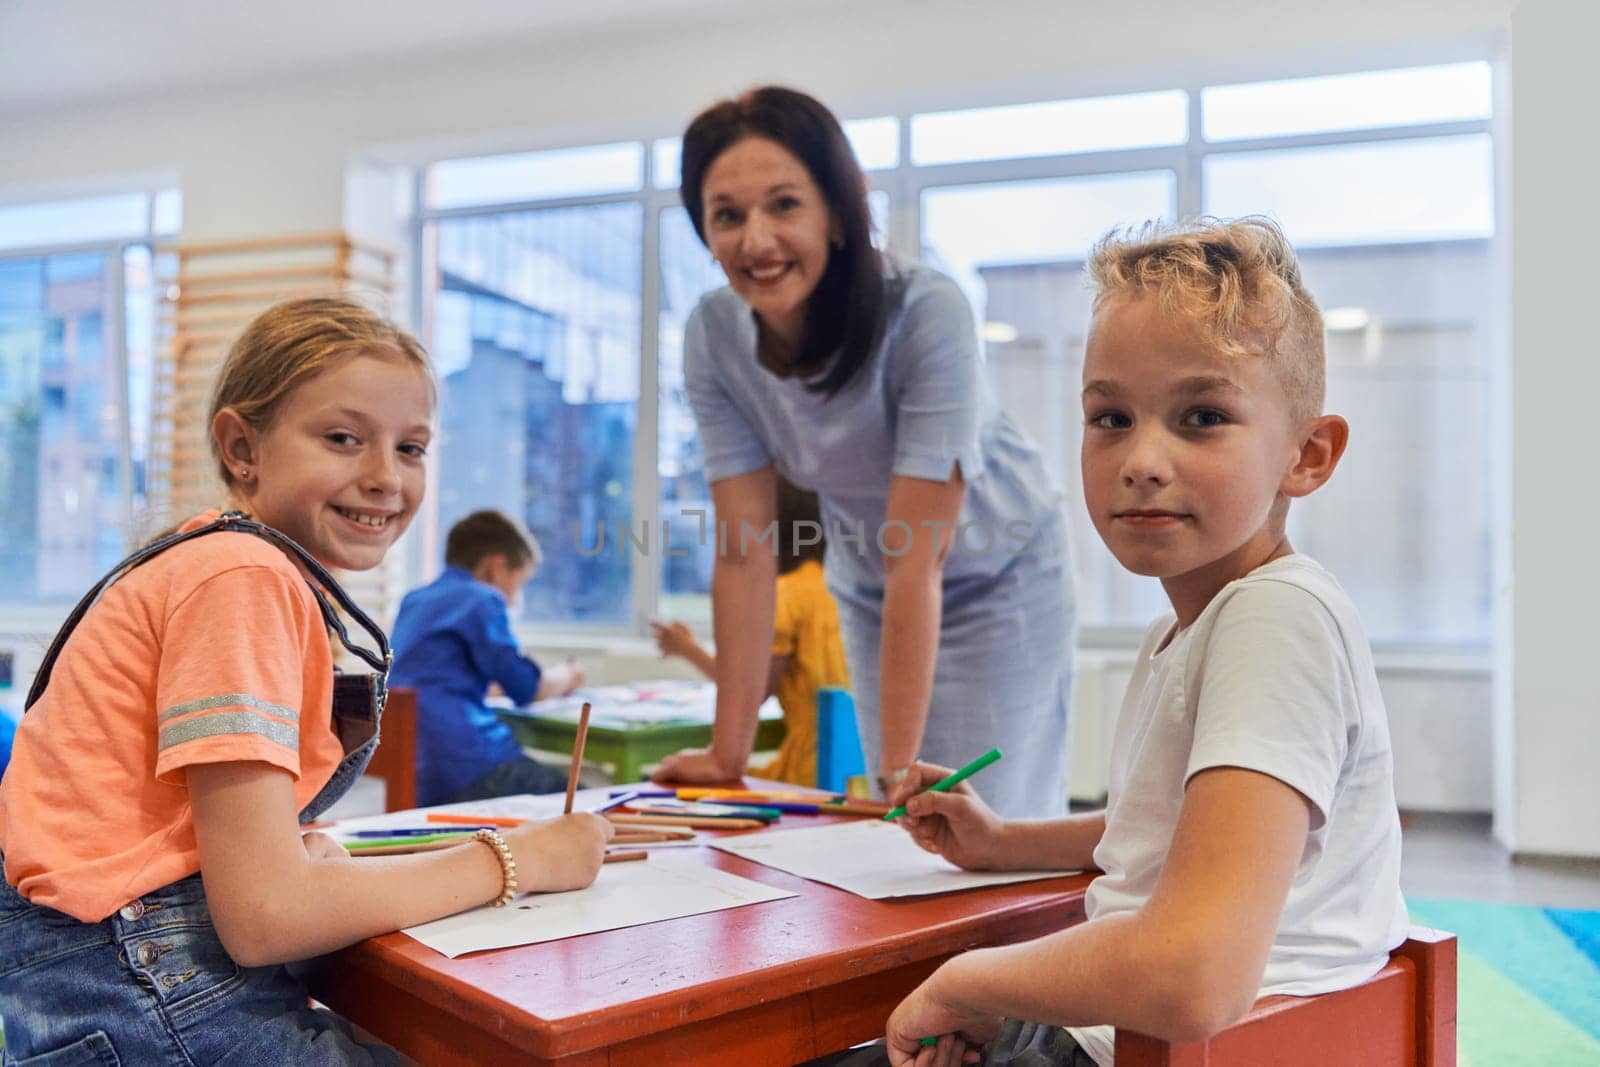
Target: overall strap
228,520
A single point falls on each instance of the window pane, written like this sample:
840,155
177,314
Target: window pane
1375,99
590,171
666,161
536,338
141,287
166,216
687,271
1405,521
60,426
1438,188
876,143
62,222
1018,249
969,227
1096,124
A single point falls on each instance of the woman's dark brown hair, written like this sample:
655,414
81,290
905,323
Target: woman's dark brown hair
845,315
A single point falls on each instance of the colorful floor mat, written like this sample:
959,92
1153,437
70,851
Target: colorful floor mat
1529,982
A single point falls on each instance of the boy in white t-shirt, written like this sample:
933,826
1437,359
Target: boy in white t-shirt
1250,842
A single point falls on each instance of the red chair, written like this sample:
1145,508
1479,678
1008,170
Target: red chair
395,758
1403,1016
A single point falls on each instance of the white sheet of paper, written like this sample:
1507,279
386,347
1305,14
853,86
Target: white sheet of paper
625,894
868,857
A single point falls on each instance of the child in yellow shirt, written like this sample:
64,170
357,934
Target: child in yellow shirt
807,653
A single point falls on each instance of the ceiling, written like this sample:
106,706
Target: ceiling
59,52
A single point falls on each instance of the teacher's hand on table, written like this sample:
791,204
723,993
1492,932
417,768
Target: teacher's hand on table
695,766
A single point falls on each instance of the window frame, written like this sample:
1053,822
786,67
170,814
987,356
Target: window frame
905,183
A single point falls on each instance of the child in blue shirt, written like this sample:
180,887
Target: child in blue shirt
452,640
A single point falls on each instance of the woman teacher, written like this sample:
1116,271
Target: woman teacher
860,377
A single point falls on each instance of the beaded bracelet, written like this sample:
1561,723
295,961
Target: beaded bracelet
508,864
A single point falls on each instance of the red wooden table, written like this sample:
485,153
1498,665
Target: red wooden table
773,983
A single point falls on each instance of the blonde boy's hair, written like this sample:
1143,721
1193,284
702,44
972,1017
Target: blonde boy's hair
1237,280
290,343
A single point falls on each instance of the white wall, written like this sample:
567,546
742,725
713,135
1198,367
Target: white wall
1549,707
270,159
280,158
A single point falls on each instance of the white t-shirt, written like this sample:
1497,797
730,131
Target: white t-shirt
1274,676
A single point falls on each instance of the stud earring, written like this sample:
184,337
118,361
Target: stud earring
244,474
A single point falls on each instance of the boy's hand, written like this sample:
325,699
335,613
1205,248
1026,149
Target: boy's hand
928,1013
694,766
572,676
672,638
957,824
558,854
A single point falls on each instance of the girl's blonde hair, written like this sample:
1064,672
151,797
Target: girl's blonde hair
1237,280
290,343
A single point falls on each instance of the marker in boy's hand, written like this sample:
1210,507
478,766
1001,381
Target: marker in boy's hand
955,824
960,1035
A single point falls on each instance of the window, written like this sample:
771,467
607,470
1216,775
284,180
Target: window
536,337
77,332
1384,180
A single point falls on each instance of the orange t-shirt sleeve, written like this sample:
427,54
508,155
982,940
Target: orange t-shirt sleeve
231,685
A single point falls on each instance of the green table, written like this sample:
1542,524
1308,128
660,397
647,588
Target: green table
626,749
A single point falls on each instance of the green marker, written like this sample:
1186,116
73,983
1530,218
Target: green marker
928,1042
414,839
944,785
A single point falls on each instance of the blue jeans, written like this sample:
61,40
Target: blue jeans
152,984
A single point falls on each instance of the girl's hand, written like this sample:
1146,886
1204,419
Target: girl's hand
927,1012
319,846
672,638
694,766
957,825
558,854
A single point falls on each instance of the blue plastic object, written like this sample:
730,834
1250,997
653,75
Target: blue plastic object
838,745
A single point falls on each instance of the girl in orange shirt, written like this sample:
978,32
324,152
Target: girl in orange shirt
187,721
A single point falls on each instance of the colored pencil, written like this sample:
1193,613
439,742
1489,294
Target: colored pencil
403,839
409,847
695,821
855,807
415,831
943,785
617,801
501,821
577,757
624,857
755,796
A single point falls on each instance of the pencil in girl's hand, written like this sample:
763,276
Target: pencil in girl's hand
624,857
577,757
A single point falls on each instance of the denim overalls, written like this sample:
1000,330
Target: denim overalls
152,984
